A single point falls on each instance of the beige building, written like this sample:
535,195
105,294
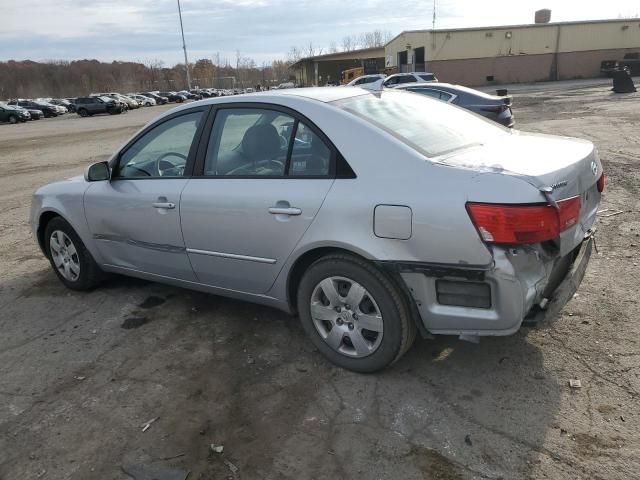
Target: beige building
515,53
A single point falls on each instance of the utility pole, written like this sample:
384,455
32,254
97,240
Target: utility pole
433,27
184,47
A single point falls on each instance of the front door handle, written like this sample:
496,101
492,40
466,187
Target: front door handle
285,211
166,205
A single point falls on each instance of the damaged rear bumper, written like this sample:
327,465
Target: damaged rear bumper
566,290
524,285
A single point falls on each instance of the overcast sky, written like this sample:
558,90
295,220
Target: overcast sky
261,29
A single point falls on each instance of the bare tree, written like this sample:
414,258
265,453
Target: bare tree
310,50
57,79
349,43
375,38
294,54
333,47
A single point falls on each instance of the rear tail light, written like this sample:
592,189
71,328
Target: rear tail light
523,224
600,183
569,212
494,108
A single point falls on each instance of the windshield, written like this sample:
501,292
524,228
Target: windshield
430,126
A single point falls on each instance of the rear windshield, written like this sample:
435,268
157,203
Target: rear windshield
430,126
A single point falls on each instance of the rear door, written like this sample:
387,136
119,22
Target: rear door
135,217
263,175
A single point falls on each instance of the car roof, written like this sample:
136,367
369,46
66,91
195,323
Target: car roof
412,73
321,94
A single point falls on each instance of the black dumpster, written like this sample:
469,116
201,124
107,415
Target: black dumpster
622,81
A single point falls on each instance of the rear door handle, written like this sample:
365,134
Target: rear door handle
167,205
285,211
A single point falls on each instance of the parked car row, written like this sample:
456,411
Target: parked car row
22,110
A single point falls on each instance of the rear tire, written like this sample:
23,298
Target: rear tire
71,261
380,306
83,112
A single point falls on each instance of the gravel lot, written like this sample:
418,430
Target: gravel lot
76,385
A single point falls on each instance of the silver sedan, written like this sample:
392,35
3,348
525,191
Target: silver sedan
374,216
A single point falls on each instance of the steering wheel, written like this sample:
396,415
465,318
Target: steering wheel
167,168
252,168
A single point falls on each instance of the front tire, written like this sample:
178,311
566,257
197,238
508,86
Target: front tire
354,314
71,261
83,112
13,119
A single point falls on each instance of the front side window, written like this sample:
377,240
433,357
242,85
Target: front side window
161,152
430,127
249,142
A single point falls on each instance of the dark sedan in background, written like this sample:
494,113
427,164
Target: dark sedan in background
173,96
492,107
160,100
47,109
33,112
13,114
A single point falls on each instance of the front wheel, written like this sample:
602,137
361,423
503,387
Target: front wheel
83,112
354,314
70,259
13,119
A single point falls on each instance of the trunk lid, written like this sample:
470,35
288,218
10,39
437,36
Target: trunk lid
563,167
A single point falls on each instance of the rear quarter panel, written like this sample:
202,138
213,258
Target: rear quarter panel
390,172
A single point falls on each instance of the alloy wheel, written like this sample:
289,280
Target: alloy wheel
64,255
346,316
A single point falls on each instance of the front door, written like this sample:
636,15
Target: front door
265,176
135,217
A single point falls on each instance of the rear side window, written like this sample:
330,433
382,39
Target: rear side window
249,142
257,142
438,94
428,78
310,156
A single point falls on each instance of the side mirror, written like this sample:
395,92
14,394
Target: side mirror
97,172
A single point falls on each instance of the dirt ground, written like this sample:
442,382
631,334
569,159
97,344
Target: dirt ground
79,377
